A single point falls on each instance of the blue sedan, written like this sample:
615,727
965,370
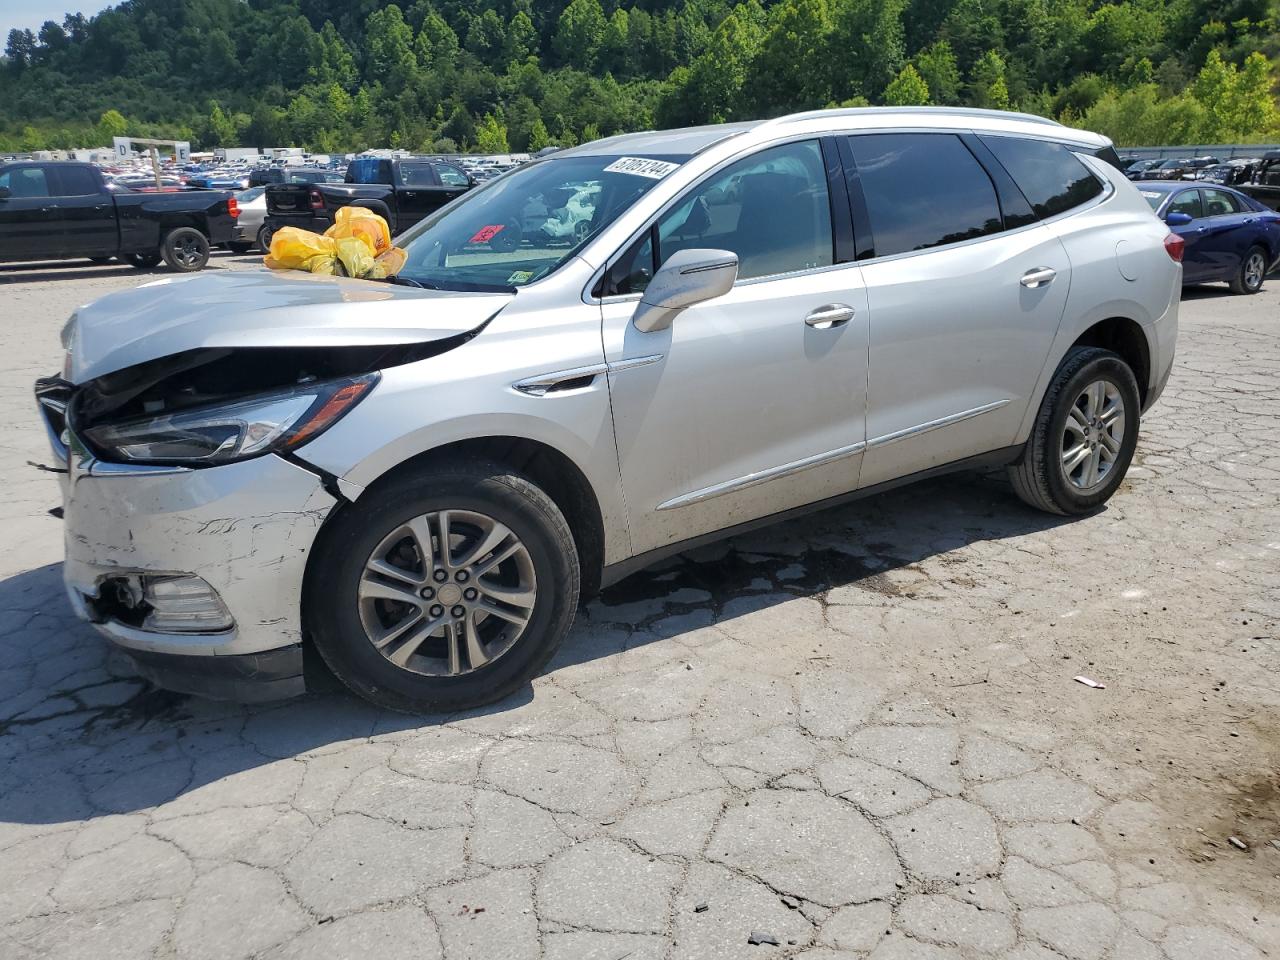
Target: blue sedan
1228,236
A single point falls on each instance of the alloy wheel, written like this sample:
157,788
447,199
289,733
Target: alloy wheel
1093,435
447,593
1254,270
188,251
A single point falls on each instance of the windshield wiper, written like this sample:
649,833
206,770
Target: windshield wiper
410,282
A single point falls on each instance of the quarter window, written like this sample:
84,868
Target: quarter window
772,209
923,190
1219,203
1048,174
416,175
25,182
1187,202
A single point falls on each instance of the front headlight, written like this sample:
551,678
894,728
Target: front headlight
222,433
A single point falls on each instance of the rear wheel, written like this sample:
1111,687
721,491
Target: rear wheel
264,238
143,261
1084,435
185,249
1252,273
445,589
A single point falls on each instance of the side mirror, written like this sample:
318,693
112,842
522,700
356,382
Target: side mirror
5,193
1178,219
688,277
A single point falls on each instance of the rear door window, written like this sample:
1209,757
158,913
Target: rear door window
416,175
1048,174
923,190
451,176
1219,203
75,182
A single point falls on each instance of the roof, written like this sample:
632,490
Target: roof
688,141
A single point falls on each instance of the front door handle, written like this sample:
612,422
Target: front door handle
829,315
1038,277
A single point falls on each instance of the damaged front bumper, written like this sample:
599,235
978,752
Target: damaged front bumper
243,529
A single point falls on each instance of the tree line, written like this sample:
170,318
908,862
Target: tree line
500,75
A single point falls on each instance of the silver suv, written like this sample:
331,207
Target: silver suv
423,478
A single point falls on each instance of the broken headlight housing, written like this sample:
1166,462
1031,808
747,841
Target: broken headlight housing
220,433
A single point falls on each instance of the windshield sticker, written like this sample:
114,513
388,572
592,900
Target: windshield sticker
520,276
640,167
485,234
1151,194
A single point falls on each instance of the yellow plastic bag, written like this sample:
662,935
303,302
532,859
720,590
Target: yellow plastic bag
363,223
293,249
357,245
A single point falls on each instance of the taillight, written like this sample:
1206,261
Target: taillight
317,201
1175,246
233,207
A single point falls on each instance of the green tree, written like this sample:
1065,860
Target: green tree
522,38
937,67
389,48
111,124
487,37
538,136
867,45
798,34
907,90
491,135
436,45
218,130
987,87
579,33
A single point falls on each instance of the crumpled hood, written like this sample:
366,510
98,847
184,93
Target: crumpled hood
266,308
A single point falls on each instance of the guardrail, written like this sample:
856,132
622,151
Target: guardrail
1223,151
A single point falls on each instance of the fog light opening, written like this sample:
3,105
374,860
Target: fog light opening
182,603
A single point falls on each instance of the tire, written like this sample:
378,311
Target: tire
185,249
1252,273
1042,477
143,261
101,260
264,238
345,605
239,247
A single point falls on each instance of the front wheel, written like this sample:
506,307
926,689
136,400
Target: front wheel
1084,435
1252,273
185,250
444,589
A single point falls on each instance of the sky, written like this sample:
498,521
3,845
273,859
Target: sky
31,13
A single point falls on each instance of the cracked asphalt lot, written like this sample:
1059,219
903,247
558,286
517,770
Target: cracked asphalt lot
856,735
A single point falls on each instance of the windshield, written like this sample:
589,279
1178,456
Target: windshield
523,225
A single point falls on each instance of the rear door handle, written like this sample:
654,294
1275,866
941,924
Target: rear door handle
1038,277
829,315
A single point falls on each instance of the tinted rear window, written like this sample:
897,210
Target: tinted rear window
923,190
1048,174
75,182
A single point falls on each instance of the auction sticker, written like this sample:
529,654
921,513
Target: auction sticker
487,233
641,167
520,276
1151,194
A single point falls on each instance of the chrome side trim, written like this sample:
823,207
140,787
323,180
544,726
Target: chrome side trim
632,362
935,424
541,385
762,476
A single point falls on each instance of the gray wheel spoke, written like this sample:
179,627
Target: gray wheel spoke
1110,445
504,554
446,549
377,590
475,652
401,654
420,530
493,539
517,617
393,634
392,572
1091,471
454,642
1074,457
516,596
1076,421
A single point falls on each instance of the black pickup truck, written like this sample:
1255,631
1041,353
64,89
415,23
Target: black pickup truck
401,190
1265,184
61,211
